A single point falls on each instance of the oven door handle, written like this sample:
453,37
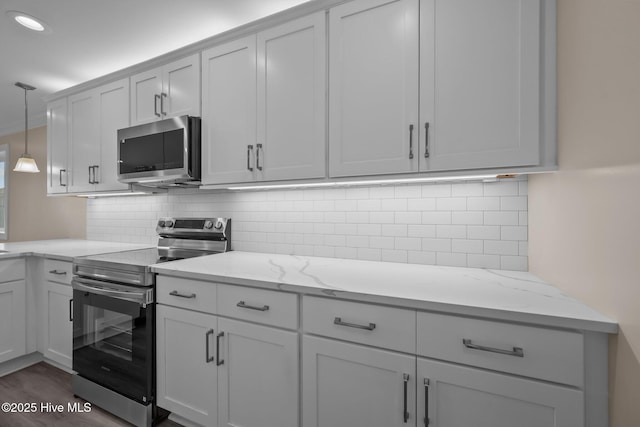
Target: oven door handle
141,297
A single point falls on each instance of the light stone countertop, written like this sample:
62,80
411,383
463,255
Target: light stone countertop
496,294
64,249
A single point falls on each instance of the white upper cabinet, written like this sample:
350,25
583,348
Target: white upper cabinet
229,112
94,118
84,145
291,100
479,83
168,91
57,147
263,105
373,91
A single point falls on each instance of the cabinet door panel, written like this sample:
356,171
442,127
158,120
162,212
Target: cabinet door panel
291,99
186,381
480,87
373,95
58,327
181,85
229,112
258,381
113,102
12,320
355,386
462,396
83,139
144,88
57,148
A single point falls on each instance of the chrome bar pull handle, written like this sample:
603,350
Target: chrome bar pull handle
405,413
58,273
426,140
516,352
162,97
258,149
426,401
242,304
369,327
249,150
156,97
90,182
95,175
220,361
178,294
71,310
61,184
410,142
206,340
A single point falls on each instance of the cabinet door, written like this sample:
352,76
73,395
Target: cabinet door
186,372
57,148
12,320
258,380
373,91
146,88
480,90
462,396
113,108
229,112
58,327
291,99
84,143
356,386
181,88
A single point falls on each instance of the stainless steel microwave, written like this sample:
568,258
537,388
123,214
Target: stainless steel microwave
162,153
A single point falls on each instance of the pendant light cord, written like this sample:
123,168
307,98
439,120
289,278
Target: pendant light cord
26,123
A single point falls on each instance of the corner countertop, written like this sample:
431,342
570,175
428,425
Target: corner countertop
497,294
64,249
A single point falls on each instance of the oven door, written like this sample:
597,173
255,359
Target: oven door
113,343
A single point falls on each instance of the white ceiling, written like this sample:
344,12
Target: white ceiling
91,38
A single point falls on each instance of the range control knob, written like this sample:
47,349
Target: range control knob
168,223
160,223
208,225
219,225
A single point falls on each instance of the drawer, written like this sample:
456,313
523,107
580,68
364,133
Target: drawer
258,305
186,293
58,271
543,353
12,270
374,325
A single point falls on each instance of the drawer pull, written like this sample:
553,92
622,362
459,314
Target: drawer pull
178,294
338,321
59,273
242,304
517,351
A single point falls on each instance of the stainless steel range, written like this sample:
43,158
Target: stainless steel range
114,316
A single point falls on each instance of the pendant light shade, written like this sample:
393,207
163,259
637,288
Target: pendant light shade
26,163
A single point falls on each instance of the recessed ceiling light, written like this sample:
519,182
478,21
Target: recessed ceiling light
29,21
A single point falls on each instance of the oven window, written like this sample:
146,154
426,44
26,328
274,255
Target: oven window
109,332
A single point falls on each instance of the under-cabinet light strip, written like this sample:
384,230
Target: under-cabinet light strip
370,182
93,195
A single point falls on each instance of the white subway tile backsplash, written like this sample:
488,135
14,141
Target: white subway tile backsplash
472,224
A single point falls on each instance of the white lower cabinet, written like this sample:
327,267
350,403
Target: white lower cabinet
13,307
356,386
216,371
455,395
58,323
186,373
258,377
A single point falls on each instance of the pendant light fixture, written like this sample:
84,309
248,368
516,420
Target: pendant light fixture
26,163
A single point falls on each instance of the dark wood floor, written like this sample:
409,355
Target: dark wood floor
44,383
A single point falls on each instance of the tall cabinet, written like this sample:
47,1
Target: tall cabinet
57,147
263,105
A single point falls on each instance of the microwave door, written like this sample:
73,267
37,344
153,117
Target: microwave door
142,154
